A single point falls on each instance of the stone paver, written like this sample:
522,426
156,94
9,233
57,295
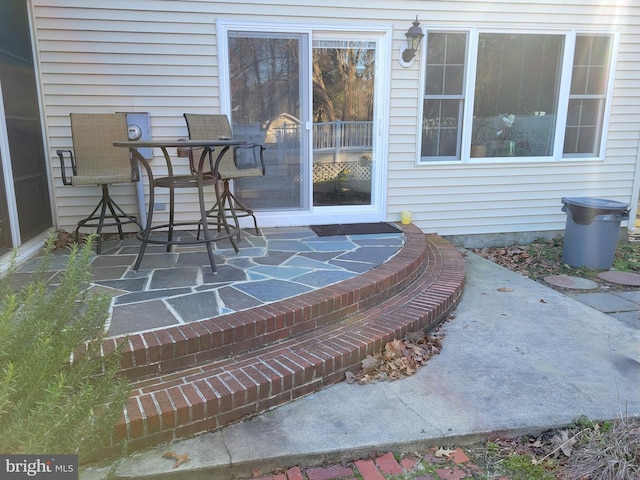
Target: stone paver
621,278
632,296
630,318
606,302
567,281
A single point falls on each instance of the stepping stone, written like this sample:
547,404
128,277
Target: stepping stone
567,281
621,278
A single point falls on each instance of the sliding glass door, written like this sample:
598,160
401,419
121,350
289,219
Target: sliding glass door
312,98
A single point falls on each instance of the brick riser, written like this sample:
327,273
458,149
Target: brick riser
159,352
213,394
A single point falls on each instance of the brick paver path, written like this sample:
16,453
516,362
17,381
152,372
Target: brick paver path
455,466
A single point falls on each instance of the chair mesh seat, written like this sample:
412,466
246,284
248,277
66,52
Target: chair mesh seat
101,179
231,173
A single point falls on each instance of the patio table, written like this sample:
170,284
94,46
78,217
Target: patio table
203,174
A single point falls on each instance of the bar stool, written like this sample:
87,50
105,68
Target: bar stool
95,161
207,126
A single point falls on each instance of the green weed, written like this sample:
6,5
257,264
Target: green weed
58,392
524,467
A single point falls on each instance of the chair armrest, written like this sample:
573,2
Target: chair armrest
66,180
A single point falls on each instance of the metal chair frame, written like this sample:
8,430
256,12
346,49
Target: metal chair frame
95,161
216,126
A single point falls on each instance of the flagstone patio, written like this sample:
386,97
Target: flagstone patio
178,287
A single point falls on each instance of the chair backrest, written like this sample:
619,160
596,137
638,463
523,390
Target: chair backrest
213,127
207,127
97,160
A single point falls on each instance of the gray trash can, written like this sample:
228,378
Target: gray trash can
591,234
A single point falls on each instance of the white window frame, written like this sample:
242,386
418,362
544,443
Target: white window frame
563,98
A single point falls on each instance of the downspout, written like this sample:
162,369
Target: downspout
633,210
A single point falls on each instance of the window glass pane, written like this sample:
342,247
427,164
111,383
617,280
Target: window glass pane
456,49
583,124
440,128
597,82
579,79
601,50
453,80
435,80
436,48
589,80
516,93
445,63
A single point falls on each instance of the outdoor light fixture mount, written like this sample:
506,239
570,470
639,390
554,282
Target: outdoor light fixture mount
410,46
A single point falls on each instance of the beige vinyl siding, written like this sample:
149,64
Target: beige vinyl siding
479,198
99,58
160,56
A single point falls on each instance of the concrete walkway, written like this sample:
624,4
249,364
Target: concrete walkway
518,357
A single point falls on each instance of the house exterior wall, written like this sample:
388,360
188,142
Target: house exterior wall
160,56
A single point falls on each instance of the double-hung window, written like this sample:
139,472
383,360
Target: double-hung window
496,94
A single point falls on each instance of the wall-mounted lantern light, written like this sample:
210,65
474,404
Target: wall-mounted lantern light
410,47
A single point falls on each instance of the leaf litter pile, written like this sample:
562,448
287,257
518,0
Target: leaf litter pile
399,358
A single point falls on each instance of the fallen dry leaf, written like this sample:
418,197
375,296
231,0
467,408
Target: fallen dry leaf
180,459
537,443
443,452
505,289
562,441
369,363
350,377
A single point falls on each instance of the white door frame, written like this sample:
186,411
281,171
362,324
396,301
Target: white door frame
376,211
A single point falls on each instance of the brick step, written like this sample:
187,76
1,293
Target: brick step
159,352
213,394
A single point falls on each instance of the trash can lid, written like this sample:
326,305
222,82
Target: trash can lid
598,203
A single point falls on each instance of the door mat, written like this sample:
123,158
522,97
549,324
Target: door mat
354,229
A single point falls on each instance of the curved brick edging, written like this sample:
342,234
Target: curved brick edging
162,351
213,394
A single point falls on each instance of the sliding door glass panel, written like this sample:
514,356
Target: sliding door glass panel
343,109
265,83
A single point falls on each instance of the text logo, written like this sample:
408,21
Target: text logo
50,467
